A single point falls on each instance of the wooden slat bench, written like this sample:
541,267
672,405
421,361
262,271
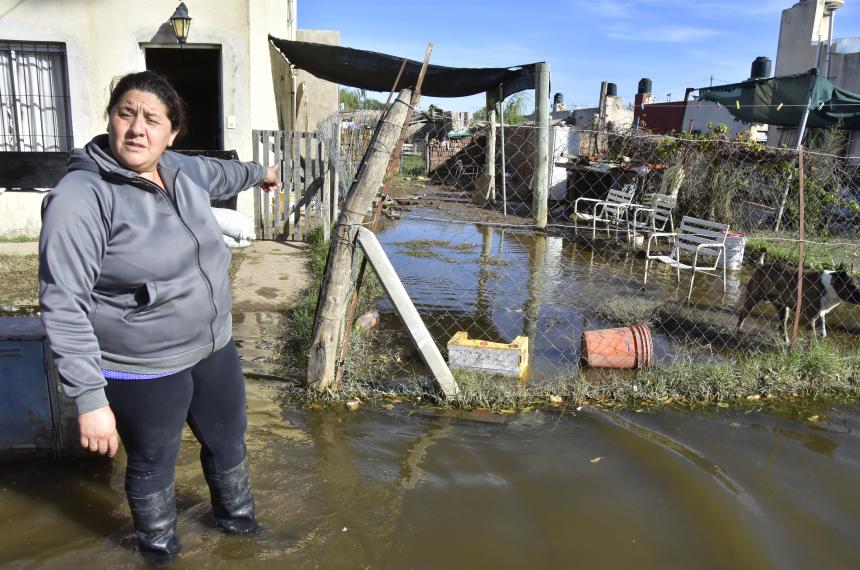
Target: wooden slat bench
695,238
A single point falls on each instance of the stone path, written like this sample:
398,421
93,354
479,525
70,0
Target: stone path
19,247
271,277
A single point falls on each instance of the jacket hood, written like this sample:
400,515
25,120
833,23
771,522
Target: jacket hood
95,157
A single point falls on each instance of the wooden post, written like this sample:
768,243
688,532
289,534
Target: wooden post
601,116
485,186
336,285
540,181
800,246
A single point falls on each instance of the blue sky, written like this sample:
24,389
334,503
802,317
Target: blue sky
676,43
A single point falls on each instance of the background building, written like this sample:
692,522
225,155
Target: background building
58,59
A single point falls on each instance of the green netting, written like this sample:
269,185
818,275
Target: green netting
781,100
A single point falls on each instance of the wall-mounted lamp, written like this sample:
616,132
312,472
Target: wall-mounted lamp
180,21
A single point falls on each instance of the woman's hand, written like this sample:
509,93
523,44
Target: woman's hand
270,182
98,431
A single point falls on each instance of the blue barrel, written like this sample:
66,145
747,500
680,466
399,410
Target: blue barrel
36,418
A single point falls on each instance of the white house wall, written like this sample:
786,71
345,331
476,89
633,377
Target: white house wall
106,39
696,118
321,98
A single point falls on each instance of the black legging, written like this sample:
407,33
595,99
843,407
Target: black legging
150,415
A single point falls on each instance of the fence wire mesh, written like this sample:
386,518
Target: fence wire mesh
605,284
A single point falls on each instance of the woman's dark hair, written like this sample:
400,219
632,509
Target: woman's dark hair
154,83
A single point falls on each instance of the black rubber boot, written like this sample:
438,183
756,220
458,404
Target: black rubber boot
154,519
232,499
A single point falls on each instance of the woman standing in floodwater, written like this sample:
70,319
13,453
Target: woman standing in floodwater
135,298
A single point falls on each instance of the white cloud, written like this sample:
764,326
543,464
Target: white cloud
667,34
610,9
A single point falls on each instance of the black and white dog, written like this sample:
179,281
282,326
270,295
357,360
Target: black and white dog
822,292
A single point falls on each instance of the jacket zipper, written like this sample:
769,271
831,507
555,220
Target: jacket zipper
206,280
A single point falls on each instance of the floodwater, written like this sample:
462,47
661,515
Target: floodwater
497,283
416,488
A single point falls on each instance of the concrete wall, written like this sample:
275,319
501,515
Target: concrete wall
20,214
696,118
801,28
617,113
318,98
107,39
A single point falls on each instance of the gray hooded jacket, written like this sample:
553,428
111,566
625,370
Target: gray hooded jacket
130,280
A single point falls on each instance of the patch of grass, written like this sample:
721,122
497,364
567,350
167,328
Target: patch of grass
421,243
298,327
815,372
424,248
18,239
19,275
411,164
626,311
235,263
816,256
496,261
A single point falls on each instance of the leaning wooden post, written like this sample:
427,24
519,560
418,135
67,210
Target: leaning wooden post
540,181
485,186
337,283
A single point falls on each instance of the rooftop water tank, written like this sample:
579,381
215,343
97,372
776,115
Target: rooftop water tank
761,67
644,85
611,90
558,99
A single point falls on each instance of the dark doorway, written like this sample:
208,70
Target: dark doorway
196,75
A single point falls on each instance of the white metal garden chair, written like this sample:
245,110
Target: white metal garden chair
610,211
655,217
695,238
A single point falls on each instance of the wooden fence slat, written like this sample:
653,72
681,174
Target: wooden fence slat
317,148
309,172
258,224
267,206
276,194
296,188
316,187
324,193
333,164
286,177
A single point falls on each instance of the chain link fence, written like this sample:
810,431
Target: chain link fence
605,285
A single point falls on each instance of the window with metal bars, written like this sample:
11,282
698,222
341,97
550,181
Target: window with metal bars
34,97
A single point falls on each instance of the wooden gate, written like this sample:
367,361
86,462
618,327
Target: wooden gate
308,196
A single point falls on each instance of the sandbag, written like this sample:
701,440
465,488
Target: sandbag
234,224
236,243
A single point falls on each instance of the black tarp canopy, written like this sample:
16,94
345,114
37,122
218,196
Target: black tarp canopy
377,71
781,100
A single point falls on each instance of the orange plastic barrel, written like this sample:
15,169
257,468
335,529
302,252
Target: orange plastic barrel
626,347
